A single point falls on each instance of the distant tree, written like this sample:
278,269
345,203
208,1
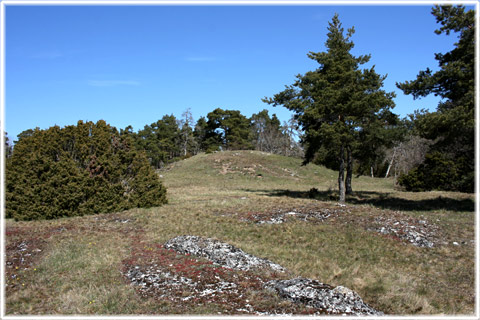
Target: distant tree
161,140
452,126
199,134
291,142
336,102
25,134
374,141
227,130
84,169
267,132
8,146
188,142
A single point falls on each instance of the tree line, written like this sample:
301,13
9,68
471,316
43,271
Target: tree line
170,139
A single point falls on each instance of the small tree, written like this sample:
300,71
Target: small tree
337,102
406,155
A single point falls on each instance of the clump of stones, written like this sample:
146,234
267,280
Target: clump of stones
311,293
419,233
220,253
334,300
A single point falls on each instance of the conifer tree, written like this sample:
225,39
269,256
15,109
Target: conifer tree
8,146
337,102
227,130
452,126
161,141
199,134
188,142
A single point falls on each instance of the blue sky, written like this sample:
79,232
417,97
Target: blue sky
130,65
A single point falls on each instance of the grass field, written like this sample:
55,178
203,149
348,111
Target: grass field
76,265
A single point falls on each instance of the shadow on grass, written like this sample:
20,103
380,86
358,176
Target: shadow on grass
378,199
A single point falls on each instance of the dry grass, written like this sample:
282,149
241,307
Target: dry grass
79,268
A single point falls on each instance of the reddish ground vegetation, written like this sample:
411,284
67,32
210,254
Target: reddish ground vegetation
187,281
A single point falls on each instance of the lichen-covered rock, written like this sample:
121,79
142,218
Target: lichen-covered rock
220,253
333,300
321,298
420,233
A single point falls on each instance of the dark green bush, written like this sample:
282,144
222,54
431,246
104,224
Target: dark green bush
435,173
77,170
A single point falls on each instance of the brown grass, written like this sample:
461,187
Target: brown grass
79,267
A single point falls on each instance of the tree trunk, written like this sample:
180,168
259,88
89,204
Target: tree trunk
391,162
341,181
348,184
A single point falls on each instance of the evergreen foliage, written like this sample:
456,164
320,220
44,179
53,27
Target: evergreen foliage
435,173
227,130
161,141
340,107
452,126
8,146
77,170
199,133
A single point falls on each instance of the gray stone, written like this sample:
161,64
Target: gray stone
333,300
220,253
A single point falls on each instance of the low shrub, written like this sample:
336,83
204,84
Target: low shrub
435,173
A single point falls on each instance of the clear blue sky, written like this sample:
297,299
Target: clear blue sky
130,65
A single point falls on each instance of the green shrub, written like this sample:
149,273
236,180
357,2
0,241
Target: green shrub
435,173
84,169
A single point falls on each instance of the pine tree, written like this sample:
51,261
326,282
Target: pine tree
227,130
161,141
337,102
452,126
199,134
8,146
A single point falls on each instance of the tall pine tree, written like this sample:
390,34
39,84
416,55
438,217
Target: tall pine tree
452,126
337,102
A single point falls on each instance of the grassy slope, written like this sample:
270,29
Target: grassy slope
78,269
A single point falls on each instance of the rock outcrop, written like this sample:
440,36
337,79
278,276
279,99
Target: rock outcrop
220,253
323,298
332,300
